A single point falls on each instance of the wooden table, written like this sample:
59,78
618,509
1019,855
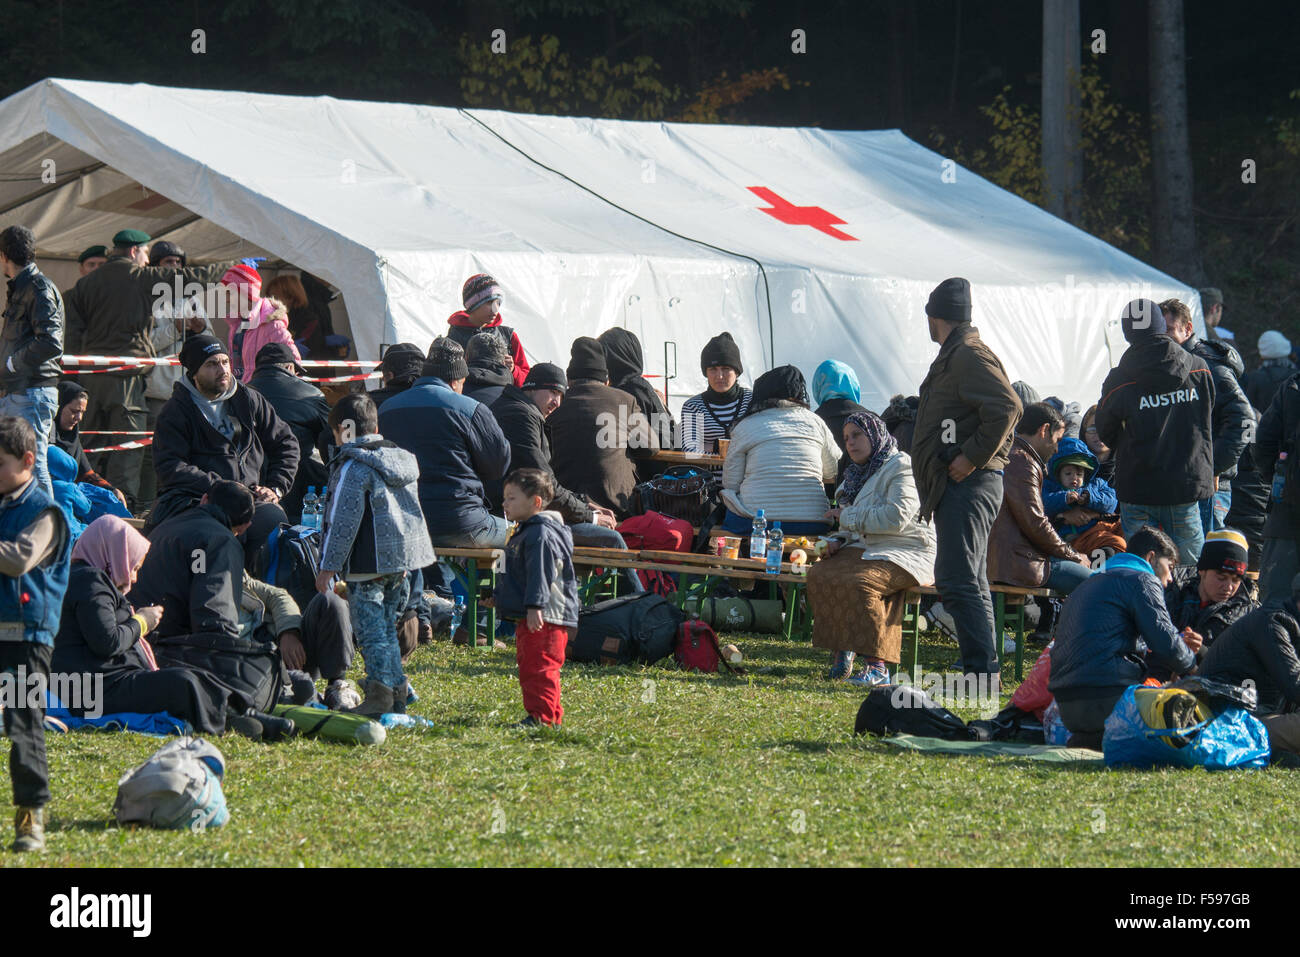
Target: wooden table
687,458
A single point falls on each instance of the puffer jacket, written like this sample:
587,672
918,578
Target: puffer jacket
779,460
1183,599
1156,411
1232,422
884,521
373,521
1277,432
1261,647
1101,497
31,343
539,572
1109,626
265,604
1022,540
966,385
1262,384
267,322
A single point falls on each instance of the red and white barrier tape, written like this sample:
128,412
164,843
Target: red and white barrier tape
106,432
345,378
141,361
124,446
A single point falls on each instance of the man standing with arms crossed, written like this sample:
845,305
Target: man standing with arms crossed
960,446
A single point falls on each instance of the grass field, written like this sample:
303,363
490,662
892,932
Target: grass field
658,767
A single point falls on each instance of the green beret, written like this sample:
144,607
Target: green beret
91,252
130,237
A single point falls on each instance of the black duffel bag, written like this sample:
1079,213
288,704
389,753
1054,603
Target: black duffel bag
905,709
249,670
683,491
635,628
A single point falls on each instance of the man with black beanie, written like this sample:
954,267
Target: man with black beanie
960,445
1156,412
598,433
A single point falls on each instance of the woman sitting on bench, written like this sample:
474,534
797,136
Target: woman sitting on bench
881,550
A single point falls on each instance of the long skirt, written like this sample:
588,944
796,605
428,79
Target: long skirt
858,605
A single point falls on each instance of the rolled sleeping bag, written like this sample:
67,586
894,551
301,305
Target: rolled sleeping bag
739,614
333,725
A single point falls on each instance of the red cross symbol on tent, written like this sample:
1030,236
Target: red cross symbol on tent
793,215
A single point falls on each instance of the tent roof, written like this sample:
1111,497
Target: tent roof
396,203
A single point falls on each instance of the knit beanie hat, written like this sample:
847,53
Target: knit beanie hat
198,350
546,375
402,360
950,301
478,289
240,274
1142,318
721,350
1274,345
587,360
1028,394
1225,550
446,360
486,349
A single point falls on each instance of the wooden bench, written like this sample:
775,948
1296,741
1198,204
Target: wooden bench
1008,609
466,564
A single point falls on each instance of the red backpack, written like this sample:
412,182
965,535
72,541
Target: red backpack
654,531
697,648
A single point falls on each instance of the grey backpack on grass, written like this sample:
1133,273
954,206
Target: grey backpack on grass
178,788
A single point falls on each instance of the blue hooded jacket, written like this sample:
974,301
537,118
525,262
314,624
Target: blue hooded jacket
1101,497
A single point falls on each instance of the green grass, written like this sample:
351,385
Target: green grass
658,767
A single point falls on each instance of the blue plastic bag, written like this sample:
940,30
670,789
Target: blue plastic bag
1233,739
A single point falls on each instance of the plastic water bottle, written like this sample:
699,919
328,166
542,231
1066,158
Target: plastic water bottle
1279,477
758,536
310,508
457,613
774,543
320,509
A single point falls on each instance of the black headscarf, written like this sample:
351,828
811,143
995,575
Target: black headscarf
69,391
783,382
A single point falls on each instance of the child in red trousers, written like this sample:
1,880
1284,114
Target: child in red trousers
539,591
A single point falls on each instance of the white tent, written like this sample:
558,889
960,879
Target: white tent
805,243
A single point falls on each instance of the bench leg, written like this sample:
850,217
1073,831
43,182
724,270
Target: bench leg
1020,641
471,599
791,609
492,612
999,622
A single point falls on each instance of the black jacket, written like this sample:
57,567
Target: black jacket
195,570
31,343
524,428
1262,384
626,364
1183,599
97,634
1261,647
1156,411
190,454
539,572
304,409
1277,432
1233,422
1249,504
485,383
597,435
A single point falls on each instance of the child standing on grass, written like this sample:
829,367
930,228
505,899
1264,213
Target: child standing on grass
34,550
540,591
374,535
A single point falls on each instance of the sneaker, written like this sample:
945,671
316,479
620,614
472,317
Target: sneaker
243,724
841,666
342,695
942,620
528,722
29,829
876,673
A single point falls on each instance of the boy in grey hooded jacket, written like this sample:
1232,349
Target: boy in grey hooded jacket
374,534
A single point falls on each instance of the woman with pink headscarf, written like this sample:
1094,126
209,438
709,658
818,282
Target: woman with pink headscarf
101,634
254,321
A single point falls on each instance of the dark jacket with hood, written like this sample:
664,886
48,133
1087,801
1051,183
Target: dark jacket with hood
1277,433
486,382
1261,647
626,365
1109,626
304,408
597,436
193,602
1232,422
31,340
1262,384
1183,599
1100,496
1156,412
524,428
967,385
190,454
539,572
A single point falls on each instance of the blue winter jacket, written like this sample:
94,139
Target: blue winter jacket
539,572
1101,497
458,445
1109,626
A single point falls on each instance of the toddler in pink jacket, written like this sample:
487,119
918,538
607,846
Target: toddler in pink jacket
263,321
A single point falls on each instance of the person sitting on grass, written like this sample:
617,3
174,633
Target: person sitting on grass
374,536
73,401
539,590
1263,647
858,591
1099,649
1078,501
1216,593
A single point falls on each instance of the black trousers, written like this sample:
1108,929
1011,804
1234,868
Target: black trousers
327,636
28,769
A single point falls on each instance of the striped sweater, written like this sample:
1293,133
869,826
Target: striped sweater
703,423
